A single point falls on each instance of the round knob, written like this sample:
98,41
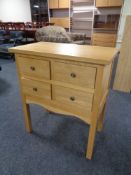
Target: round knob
32,68
72,98
73,75
35,89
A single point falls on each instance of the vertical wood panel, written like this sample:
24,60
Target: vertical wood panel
123,72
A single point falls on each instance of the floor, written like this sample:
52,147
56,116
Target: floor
58,143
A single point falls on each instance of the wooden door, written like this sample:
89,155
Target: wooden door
63,3
116,3
53,4
101,3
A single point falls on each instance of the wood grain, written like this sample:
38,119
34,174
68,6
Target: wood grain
73,52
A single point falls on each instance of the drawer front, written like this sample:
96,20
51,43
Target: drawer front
36,89
75,99
104,44
34,68
104,37
75,74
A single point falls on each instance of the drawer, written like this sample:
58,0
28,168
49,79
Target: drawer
36,88
102,37
34,67
74,99
105,44
75,74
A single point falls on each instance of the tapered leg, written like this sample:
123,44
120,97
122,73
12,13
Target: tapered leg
27,117
91,139
101,119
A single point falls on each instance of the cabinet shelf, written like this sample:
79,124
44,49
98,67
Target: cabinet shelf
83,19
80,28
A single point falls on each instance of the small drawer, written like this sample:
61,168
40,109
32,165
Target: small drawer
75,74
36,89
34,68
74,99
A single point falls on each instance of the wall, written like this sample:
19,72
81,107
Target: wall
15,10
125,11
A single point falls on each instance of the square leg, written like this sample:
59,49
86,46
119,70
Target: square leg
91,139
27,117
101,119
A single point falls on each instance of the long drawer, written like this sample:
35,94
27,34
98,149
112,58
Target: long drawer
36,88
75,74
104,44
103,39
34,67
74,99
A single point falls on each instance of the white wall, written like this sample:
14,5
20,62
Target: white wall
125,11
15,10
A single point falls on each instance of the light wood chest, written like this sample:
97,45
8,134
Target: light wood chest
67,79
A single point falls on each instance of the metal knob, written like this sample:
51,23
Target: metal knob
35,89
73,75
32,68
72,98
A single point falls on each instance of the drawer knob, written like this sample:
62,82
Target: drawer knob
32,68
73,75
72,98
35,89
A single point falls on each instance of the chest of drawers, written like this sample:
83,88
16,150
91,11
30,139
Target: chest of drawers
67,79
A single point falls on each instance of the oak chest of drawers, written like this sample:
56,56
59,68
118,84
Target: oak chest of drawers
67,79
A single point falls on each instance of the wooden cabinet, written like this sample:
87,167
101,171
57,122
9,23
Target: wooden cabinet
109,3
101,3
68,79
63,3
104,39
64,22
55,4
113,3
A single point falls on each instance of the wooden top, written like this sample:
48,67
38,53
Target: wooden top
84,53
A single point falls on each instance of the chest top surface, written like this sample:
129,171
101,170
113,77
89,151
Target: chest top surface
84,53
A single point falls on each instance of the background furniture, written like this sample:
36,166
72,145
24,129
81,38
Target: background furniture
39,10
66,78
109,3
59,12
123,71
106,22
93,17
82,17
58,34
9,39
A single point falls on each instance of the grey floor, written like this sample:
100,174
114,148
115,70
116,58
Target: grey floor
58,144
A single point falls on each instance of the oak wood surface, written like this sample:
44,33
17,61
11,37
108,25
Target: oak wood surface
109,3
81,53
74,74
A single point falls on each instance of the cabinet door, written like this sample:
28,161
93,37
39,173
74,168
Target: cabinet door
101,3
115,2
63,3
53,4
